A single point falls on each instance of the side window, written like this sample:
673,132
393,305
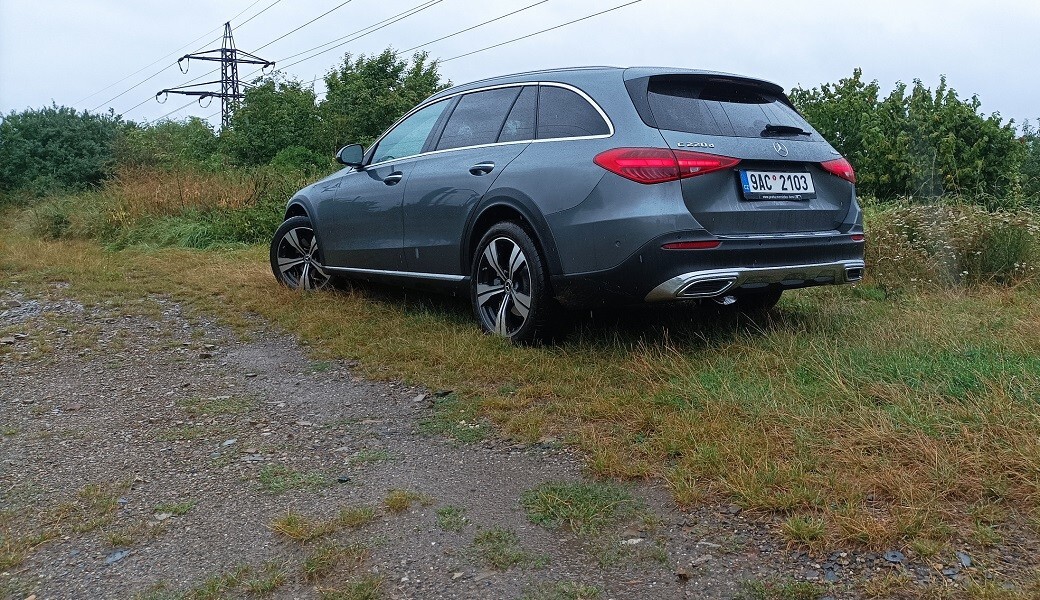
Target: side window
519,124
563,113
409,137
477,118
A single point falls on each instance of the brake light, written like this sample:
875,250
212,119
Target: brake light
858,237
840,167
698,245
658,165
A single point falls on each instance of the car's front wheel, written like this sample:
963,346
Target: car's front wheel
509,286
295,256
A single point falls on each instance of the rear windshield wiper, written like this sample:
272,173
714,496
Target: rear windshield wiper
783,130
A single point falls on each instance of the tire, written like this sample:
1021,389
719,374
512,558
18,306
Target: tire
509,287
757,302
296,257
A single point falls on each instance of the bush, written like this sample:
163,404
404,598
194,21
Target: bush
951,244
56,149
168,144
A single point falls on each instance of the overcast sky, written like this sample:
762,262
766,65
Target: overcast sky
68,51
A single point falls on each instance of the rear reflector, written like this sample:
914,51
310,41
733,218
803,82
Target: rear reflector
857,237
840,167
701,245
658,165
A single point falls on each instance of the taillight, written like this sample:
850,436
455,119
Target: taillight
658,165
698,245
858,237
840,167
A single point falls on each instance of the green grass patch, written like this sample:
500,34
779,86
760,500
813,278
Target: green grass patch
456,418
780,589
451,518
276,479
368,456
499,549
177,509
581,507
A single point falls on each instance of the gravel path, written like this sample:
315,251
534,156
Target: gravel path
152,452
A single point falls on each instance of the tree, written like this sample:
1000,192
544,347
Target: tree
167,144
56,148
275,114
366,95
915,141
1030,172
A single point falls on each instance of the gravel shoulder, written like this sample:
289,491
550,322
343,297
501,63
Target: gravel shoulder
154,453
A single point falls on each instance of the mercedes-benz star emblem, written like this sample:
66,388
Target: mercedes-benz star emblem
780,149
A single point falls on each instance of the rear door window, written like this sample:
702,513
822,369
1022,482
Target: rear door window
478,118
724,108
519,124
562,113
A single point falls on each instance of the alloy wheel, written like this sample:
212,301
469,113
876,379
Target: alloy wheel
298,262
503,287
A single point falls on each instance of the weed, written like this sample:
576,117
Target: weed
367,456
780,589
398,501
297,527
326,558
451,518
580,507
455,418
178,509
363,588
805,530
355,516
275,479
273,576
500,549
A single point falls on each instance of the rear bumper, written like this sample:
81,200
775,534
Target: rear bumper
716,282
653,274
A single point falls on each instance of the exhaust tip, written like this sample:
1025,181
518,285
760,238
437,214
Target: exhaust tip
706,288
853,274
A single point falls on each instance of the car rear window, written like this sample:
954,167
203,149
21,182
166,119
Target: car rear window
720,107
562,113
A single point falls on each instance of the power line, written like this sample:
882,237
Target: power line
160,71
174,53
523,37
475,26
370,29
324,14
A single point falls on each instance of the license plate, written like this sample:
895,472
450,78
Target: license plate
775,185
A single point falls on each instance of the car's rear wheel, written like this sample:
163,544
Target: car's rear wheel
295,256
509,286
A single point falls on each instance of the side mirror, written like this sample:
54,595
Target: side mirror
351,155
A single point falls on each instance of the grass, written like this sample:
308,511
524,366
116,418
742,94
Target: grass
177,509
327,558
356,516
886,434
366,587
581,507
456,418
804,530
300,528
451,518
780,589
500,549
398,501
368,456
276,479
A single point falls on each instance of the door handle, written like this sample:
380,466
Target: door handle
482,168
393,178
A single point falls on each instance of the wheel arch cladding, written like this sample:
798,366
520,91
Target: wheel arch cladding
296,208
510,209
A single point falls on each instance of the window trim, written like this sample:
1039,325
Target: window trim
580,92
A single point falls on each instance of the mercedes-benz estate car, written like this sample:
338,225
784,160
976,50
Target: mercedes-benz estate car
581,187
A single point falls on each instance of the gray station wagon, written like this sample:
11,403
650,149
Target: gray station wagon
582,187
